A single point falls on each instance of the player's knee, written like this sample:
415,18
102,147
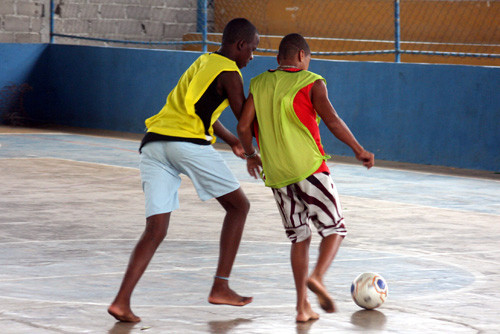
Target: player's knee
240,206
156,228
245,205
155,235
235,202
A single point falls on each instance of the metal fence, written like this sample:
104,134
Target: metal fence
387,30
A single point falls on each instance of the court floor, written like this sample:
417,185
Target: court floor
71,210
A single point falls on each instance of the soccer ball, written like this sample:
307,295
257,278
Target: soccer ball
369,290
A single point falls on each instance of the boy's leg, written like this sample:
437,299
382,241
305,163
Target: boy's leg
293,210
327,251
299,256
153,235
237,206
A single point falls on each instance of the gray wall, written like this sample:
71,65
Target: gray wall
429,114
23,21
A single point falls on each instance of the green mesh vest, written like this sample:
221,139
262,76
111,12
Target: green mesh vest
288,150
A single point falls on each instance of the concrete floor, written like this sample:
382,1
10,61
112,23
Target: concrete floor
71,209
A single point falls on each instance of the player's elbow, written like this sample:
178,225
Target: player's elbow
334,124
242,130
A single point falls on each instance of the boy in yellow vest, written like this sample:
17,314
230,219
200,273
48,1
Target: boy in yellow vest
178,141
283,109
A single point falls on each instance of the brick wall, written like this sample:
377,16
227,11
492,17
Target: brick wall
24,21
138,20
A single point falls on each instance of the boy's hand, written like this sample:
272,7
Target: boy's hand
367,158
238,150
254,165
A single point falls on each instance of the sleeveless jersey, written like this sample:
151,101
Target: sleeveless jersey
288,150
179,117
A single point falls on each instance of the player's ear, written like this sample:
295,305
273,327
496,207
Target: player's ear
302,55
240,44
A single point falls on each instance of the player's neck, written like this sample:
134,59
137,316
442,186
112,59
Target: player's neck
291,66
226,52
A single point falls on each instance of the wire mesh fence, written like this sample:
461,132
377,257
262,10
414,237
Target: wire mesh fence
435,31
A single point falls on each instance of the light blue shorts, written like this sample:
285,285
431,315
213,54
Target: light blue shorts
163,161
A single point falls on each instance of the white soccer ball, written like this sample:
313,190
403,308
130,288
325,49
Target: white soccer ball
369,290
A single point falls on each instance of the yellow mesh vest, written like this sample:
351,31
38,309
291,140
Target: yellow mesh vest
288,150
178,118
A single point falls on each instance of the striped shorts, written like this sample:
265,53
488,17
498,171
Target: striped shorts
315,200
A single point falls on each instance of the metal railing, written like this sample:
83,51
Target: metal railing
202,26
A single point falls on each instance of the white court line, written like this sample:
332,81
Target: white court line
477,277
134,239
420,252
421,206
64,241
141,305
408,253
409,206
368,198
331,164
31,134
286,263
72,160
67,134
172,271
412,171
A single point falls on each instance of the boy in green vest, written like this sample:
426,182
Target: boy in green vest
283,110
178,141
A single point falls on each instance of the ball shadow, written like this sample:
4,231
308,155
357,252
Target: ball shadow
369,319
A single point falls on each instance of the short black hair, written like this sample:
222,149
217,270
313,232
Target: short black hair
238,29
291,44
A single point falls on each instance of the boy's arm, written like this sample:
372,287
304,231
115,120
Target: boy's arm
322,105
245,134
226,135
231,83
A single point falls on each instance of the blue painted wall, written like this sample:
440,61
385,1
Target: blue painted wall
430,114
17,63
427,114
107,88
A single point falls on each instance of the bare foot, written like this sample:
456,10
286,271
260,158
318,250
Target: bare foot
223,295
307,314
123,315
325,301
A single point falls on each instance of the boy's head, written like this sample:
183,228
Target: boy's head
239,40
294,50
